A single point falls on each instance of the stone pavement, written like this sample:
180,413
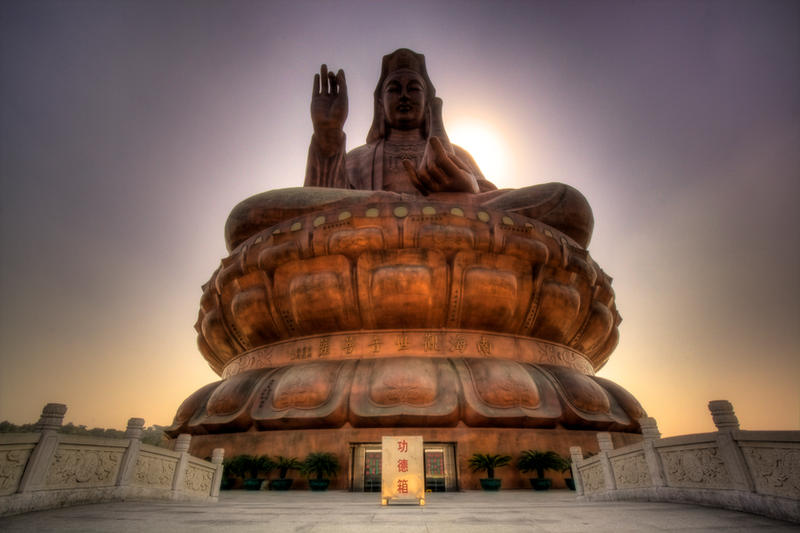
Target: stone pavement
346,512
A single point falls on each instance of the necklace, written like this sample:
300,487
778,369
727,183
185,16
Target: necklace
396,153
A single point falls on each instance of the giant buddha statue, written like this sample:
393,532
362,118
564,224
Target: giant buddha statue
407,152
400,292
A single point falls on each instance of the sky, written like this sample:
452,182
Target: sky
130,129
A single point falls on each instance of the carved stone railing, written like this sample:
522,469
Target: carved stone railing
47,469
752,471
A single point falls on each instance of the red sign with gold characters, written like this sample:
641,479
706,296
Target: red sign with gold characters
402,475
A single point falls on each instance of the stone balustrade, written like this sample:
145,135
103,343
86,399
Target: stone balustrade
752,471
47,469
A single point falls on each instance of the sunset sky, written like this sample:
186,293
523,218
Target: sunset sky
129,129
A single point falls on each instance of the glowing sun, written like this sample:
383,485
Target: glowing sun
484,143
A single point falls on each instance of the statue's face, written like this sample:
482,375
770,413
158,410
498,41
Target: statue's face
404,100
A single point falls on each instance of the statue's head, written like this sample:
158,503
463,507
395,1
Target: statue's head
403,94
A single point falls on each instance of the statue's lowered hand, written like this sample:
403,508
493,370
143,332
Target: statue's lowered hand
329,108
440,171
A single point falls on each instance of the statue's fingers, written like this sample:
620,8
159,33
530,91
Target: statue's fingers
438,174
446,160
442,158
315,90
429,178
323,77
449,166
438,148
412,176
424,179
341,82
334,89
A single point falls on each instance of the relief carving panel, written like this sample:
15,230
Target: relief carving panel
12,466
197,479
82,467
776,471
593,478
698,467
631,471
152,470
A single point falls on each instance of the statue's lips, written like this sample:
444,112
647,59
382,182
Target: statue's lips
404,108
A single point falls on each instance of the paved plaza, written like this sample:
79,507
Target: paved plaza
346,512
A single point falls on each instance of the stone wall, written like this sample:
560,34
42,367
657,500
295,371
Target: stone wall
47,469
753,471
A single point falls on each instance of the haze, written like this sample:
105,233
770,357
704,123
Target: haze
128,130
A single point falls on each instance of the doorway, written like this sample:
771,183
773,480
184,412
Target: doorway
440,471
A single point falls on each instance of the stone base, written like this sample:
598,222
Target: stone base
418,390
737,500
40,500
465,440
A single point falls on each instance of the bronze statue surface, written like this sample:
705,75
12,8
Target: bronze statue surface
400,288
407,152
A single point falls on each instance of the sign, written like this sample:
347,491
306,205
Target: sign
402,475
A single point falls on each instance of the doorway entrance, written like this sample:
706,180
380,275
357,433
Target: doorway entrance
440,468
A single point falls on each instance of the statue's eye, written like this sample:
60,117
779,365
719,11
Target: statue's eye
393,88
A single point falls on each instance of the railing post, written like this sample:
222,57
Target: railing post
723,416
576,455
181,446
606,445
128,465
41,457
650,433
727,423
216,458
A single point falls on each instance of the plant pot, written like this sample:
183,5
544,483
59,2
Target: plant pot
570,483
491,484
227,483
319,484
253,484
280,484
540,484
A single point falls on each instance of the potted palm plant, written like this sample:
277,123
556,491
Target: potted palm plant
570,482
322,465
253,467
489,462
237,467
536,461
284,464
230,471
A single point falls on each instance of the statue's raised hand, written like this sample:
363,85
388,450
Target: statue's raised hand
329,108
441,171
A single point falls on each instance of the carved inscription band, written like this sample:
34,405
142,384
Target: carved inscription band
396,343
